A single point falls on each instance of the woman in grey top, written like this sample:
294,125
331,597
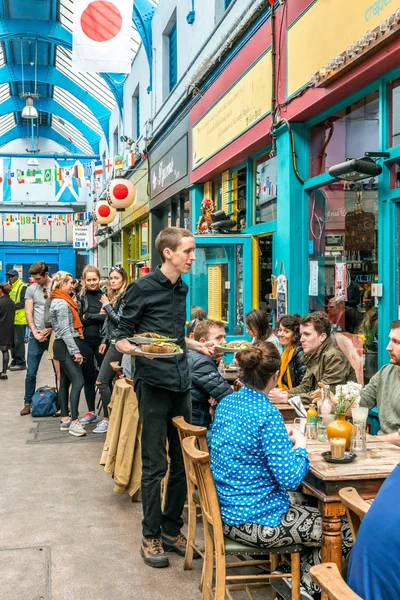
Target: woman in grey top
67,328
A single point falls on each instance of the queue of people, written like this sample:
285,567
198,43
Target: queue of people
255,459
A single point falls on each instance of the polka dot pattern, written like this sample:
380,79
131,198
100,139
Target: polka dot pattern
252,459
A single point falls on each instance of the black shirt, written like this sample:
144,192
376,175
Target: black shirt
153,303
91,318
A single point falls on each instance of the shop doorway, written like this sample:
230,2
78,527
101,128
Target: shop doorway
265,244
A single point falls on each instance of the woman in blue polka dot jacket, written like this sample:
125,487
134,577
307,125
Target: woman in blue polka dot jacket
255,460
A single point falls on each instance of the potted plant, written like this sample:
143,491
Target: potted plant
347,396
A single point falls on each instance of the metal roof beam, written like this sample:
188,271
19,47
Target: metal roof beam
55,33
48,105
45,132
52,76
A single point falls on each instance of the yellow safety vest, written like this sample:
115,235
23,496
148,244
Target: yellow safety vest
15,295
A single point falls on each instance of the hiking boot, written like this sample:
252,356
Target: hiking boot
176,544
26,410
153,553
90,417
64,425
102,427
76,429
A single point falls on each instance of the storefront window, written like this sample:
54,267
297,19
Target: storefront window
237,201
144,239
217,284
266,190
395,175
395,112
116,250
343,265
348,134
217,193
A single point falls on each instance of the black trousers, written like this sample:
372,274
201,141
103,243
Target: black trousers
18,349
89,348
157,407
70,376
106,375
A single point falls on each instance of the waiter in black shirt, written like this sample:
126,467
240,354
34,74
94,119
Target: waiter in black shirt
157,303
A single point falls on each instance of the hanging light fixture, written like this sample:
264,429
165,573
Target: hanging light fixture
33,162
29,111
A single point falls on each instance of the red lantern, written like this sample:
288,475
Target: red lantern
103,213
121,193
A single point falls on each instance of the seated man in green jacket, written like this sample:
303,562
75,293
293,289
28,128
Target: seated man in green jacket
325,362
383,390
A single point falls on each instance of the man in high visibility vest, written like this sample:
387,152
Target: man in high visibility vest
17,294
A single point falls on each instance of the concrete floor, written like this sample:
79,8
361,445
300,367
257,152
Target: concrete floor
64,533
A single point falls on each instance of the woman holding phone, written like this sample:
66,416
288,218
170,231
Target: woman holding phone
113,305
67,328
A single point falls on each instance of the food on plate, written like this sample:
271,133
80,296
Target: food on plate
160,347
237,345
153,336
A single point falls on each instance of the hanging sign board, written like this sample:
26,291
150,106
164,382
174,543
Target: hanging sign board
340,281
82,237
282,296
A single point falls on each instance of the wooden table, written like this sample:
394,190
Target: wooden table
324,480
288,413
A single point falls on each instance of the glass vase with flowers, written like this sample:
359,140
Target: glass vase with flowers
347,396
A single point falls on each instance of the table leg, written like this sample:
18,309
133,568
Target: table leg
332,514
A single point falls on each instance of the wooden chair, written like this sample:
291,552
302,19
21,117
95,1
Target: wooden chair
329,579
216,543
186,430
356,508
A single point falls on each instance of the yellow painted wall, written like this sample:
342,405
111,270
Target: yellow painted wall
141,205
326,30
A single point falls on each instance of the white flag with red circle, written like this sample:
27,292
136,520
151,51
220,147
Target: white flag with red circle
102,36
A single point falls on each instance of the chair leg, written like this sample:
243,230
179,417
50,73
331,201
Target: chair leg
274,560
295,560
191,536
207,573
220,575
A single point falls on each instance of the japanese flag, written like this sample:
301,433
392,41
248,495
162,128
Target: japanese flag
102,36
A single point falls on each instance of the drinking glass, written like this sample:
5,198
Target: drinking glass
321,432
358,440
310,431
338,446
359,414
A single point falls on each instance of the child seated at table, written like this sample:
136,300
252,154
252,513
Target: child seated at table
255,459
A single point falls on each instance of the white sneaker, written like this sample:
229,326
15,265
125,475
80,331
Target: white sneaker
77,429
102,427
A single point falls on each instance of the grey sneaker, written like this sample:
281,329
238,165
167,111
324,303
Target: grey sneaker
64,425
102,427
77,429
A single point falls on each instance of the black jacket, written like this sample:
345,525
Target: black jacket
297,367
112,320
206,381
92,322
153,303
7,313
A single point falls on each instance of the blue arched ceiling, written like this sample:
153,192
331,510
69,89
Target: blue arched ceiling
74,109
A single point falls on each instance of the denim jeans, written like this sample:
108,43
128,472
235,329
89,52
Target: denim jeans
157,407
35,352
201,414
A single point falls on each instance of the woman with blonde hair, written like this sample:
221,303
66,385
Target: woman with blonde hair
113,305
92,317
67,328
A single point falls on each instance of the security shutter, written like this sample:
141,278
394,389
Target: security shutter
225,192
214,292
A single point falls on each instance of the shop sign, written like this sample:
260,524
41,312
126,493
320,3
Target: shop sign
172,167
242,106
311,45
34,241
82,237
281,296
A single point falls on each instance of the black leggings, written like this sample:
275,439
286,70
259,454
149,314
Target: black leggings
6,358
70,375
106,376
89,348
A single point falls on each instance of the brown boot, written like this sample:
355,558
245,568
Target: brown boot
26,410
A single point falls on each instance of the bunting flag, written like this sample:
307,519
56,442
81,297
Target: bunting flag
118,162
20,176
109,167
97,184
88,170
38,177
78,171
47,175
88,183
129,160
58,173
67,172
98,167
8,175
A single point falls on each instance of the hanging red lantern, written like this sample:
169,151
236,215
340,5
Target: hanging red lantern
120,193
103,213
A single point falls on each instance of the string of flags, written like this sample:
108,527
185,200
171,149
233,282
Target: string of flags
78,219
81,173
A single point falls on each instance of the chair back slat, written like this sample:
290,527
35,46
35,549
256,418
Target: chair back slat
185,430
356,508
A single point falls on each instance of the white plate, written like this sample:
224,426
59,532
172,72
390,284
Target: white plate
138,339
155,355
229,350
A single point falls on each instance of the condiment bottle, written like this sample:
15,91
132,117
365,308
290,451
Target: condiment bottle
312,414
325,407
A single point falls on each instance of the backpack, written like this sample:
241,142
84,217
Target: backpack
44,402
